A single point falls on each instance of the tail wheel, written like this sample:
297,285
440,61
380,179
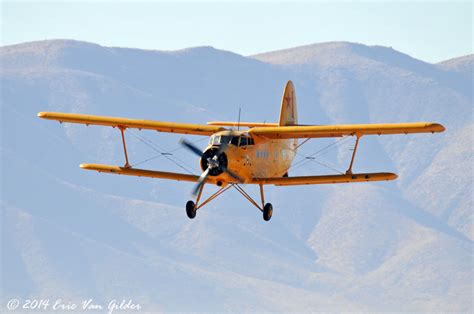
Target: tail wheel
191,209
267,211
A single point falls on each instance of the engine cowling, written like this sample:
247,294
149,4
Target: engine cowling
216,163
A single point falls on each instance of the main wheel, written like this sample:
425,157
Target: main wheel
267,211
191,209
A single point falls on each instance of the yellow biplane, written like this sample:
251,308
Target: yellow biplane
261,154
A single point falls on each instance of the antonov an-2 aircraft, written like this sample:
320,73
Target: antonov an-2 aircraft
262,154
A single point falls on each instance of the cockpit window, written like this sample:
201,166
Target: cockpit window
228,139
225,139
244,141
214,140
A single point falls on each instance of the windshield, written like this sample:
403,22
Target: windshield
229,139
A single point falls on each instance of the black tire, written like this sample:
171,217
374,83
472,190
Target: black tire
191,209
267,211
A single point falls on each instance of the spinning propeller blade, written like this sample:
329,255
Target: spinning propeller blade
191,147
233,175
201,181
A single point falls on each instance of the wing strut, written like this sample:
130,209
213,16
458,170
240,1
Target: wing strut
358,136
122,131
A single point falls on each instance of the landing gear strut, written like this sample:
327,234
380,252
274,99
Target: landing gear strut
266,209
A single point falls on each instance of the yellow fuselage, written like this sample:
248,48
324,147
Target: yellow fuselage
264,158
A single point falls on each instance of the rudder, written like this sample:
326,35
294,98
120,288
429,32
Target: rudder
288,113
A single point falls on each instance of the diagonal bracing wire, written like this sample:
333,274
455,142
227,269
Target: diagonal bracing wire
168,153
333,145
162,152
327,166
325,149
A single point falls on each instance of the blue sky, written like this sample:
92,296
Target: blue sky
431,31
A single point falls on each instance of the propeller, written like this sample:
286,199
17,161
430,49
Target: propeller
191,147
201,181
214,162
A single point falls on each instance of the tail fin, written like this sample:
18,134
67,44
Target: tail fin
288,114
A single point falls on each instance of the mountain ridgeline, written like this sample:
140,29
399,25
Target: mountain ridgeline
404,245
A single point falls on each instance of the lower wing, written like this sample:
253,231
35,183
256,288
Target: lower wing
144,173
328,179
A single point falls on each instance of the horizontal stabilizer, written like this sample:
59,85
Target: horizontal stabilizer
328,179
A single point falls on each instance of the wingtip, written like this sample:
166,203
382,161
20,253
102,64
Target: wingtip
440,127
42,114
389,176
435,127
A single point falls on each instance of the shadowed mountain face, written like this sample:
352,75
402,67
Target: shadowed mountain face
404,245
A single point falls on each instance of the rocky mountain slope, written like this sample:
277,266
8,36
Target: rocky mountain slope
403,245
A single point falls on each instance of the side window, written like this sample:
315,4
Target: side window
234,140
243,141
225,139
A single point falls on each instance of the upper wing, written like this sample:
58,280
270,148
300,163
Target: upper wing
170,127
242,124
328,179
345,129
144,173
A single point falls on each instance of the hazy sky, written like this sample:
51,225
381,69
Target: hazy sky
431,31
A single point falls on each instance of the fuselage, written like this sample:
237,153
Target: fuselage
248,157
253,157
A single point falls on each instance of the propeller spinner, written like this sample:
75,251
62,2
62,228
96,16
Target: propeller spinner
213,162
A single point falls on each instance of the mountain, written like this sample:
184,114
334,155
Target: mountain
404,245
464,64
